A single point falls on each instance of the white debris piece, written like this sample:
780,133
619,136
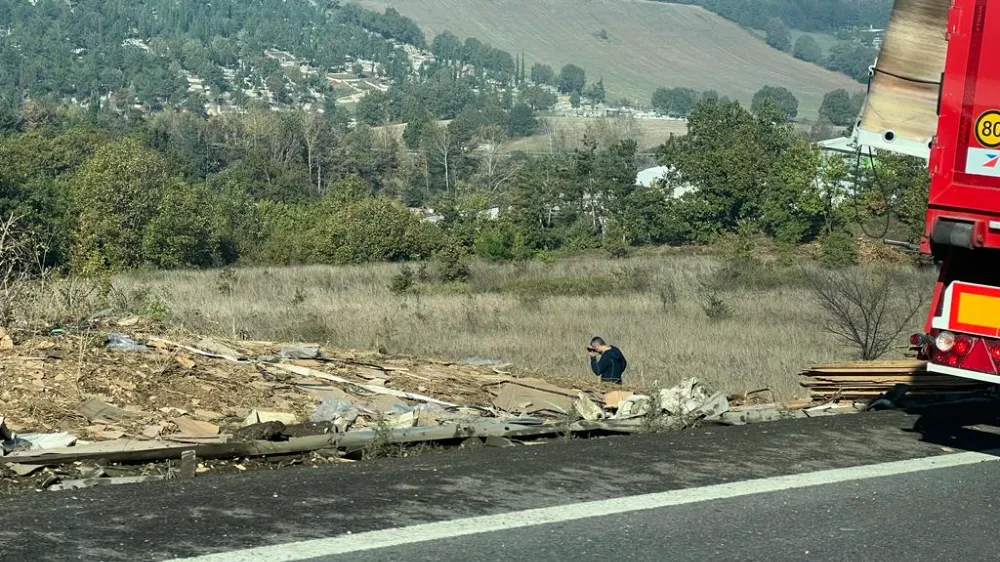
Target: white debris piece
690,397
48,440
633,407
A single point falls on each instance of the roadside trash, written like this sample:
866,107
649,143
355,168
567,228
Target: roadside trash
532,396
587,409
46,440
301,352
633,407
262,431
95,409
261,416
6,342
615,397
194,428
239,402
119,342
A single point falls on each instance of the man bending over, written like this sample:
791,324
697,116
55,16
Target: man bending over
606,361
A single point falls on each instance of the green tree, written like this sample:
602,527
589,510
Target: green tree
777,34
539,98
853,59
574,98
674,101
793,208
522,121
414,130
115,195
572,78
182,233
376,229
543,74
780,96
840,108
807,49
596,93
730,157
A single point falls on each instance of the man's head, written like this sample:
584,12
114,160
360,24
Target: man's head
597,344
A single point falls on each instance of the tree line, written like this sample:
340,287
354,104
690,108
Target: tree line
185,190
805,15
135,54
850,55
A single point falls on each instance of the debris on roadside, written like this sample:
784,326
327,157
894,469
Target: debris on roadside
867,380
146,405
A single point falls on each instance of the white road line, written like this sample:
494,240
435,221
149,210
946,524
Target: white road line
557,514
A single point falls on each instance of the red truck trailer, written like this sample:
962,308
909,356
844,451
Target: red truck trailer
935,92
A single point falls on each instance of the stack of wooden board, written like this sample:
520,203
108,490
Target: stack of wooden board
863,380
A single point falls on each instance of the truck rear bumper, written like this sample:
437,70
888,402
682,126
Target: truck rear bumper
964,373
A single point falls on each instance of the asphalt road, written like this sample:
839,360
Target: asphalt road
792,490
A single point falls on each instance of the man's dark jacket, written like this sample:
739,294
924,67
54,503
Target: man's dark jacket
610,366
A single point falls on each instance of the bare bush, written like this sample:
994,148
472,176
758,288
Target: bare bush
21,261
868,309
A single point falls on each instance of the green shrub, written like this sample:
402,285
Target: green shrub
453,265
752,275
837,249
402,282
560,286
713,305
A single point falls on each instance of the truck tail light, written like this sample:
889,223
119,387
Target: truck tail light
994,348
963,345
951,349
944,342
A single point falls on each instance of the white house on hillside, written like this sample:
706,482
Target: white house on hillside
649,176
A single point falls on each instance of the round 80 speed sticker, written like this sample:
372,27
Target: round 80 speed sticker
988,128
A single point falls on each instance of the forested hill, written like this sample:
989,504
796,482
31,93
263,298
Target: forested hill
804,15
142,50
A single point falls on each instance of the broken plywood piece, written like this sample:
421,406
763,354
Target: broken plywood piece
615,397
307,372
130,450
531,396
264,416
185,361
194,428
96,409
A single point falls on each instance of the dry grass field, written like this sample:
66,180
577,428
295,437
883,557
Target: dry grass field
536,315
648,45
567,133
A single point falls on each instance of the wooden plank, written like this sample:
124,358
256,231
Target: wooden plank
374,389
129,450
